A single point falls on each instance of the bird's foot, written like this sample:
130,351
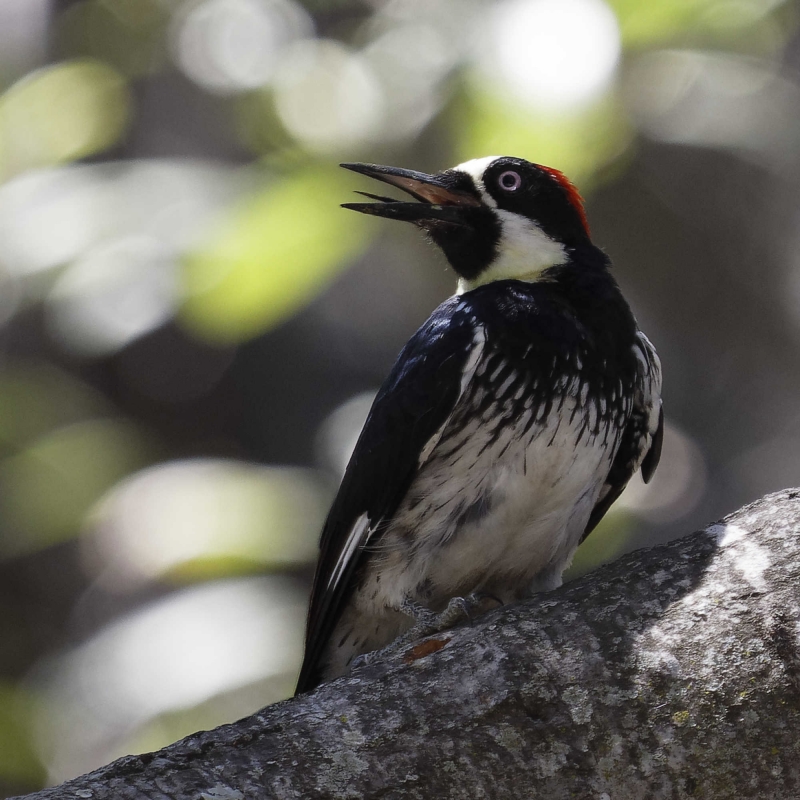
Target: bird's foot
427,622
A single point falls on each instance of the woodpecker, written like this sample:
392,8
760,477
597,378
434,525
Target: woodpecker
511,421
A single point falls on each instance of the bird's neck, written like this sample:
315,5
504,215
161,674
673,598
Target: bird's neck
587,286
583,286
576,271
524,252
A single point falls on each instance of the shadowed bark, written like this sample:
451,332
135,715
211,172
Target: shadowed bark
674,672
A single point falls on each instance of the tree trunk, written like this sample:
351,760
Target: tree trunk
674,672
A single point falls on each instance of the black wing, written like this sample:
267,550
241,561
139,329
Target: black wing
642,437
411,408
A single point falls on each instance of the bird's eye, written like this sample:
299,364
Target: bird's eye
510,181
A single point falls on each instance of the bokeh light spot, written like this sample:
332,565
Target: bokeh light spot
232,45
198,517
49,487
328,97
64,202
118,292
554,54
61,113
37,397
677,486
273,254
337,436
173,653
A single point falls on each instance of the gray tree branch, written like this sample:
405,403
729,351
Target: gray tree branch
674,672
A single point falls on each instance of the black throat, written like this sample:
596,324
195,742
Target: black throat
470,247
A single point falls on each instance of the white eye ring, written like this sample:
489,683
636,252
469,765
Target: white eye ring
510,181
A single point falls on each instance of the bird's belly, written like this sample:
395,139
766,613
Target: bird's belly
499,513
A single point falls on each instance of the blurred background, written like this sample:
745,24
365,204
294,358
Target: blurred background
191,329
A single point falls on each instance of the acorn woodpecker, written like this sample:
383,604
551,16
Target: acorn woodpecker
511,421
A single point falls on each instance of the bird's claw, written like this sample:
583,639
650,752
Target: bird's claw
365,659
427,622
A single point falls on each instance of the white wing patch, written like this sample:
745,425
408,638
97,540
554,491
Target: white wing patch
357,538
363,527
478,343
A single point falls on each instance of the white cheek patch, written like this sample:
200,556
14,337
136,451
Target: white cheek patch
475,170
523,253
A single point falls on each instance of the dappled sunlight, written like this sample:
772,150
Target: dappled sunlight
410,62
116,233
114,294
327,97
64,202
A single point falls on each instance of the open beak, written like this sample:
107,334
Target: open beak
440,200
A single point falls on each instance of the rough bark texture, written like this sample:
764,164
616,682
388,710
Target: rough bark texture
674,672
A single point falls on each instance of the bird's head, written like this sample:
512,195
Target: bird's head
494,218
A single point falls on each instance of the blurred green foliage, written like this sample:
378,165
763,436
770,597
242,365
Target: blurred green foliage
50,486
126,34
607,542
665,21
36,398
19,761
61,113
214,519
581,144
275,252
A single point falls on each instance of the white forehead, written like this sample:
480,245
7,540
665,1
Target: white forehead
477,166
475,169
